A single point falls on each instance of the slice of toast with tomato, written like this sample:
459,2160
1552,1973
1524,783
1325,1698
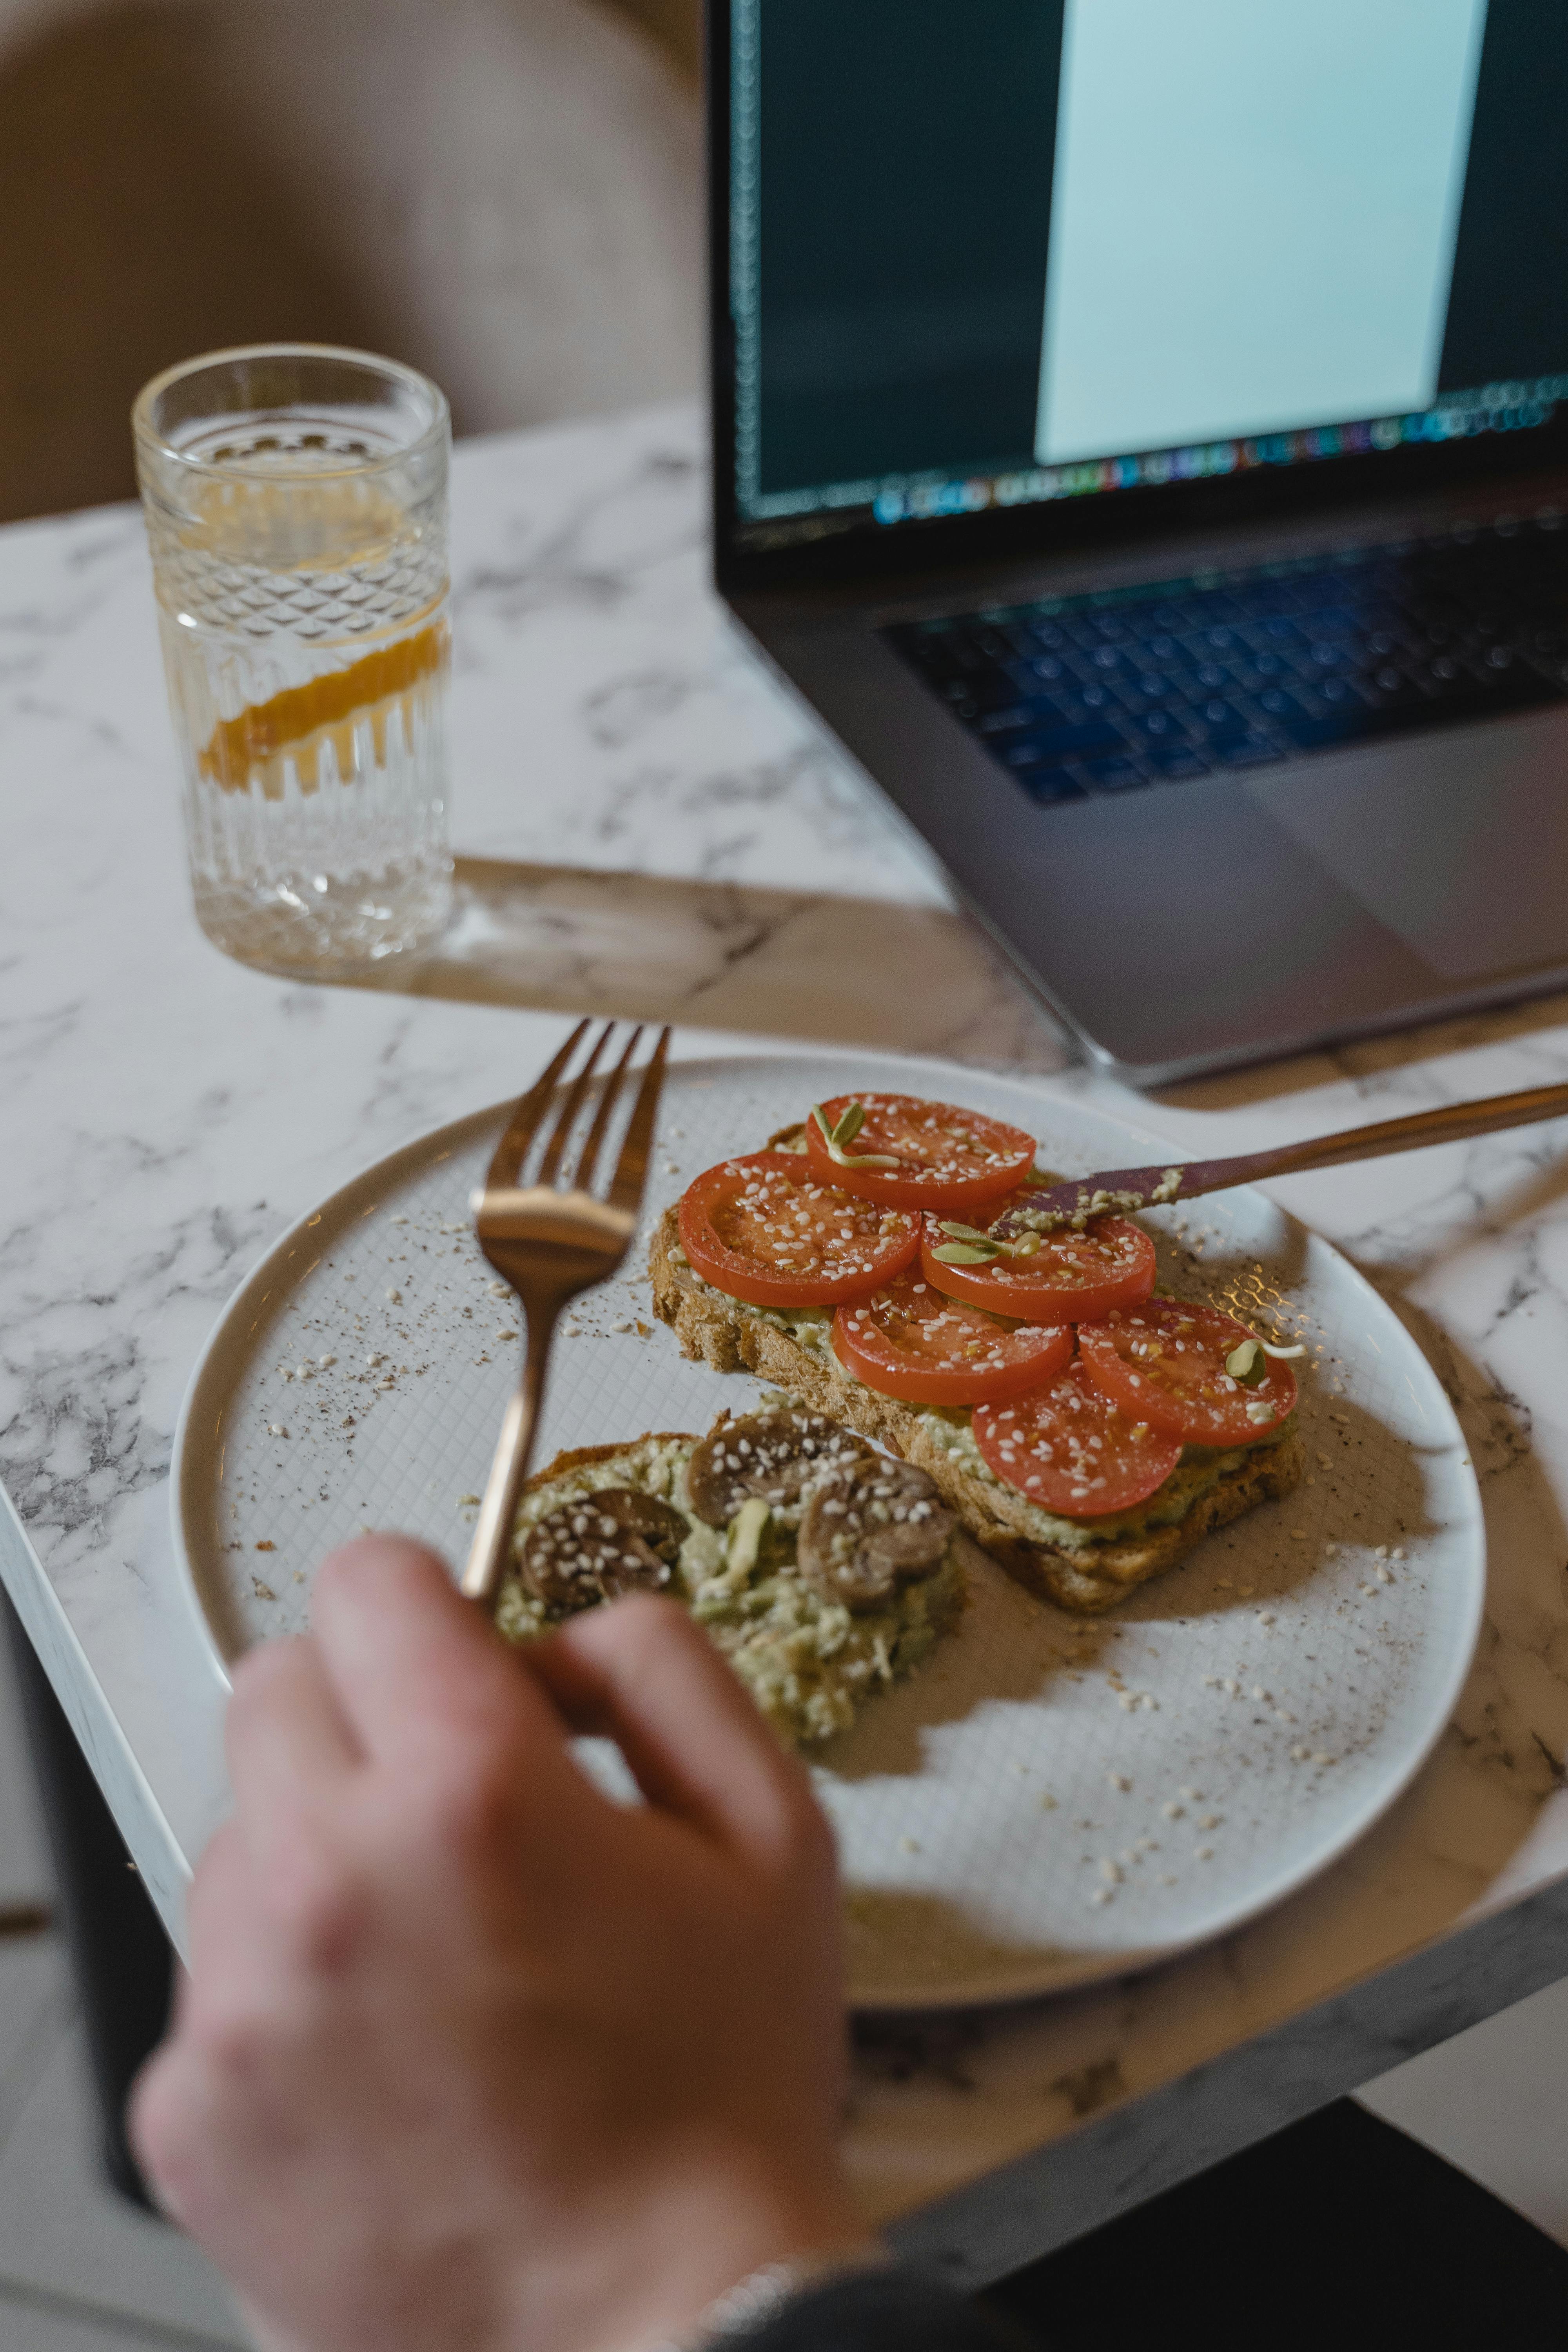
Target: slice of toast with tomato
730,1336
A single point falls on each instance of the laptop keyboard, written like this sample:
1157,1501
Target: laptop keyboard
1078,695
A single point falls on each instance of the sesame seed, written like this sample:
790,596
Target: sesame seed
1118,1781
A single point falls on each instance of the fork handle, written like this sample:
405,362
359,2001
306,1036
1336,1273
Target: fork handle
491,1546
1444,1123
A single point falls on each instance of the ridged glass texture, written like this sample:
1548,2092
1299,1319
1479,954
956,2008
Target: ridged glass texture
297,516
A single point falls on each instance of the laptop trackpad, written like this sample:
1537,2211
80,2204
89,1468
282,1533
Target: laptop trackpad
1457,841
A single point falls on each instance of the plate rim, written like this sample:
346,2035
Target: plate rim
211,1609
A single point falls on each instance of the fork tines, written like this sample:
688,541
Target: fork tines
508,1170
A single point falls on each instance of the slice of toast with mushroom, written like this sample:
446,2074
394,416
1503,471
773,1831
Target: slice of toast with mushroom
821,1569
1083,1566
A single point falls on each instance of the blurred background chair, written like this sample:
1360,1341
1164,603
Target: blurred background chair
504,192
120,1955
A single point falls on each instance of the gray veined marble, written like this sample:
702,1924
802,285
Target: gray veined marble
646,824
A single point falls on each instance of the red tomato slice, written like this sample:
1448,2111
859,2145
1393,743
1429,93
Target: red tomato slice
1163,1362
907,1340
1072,1277
763,1228
1070,1449
949,1160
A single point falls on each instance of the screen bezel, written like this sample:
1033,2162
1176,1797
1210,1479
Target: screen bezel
1051,528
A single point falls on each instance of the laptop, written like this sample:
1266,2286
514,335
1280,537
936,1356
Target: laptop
1140,433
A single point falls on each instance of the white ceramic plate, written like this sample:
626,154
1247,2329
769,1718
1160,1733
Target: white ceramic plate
1052,1800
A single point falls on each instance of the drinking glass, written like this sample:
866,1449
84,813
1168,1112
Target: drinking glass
296,502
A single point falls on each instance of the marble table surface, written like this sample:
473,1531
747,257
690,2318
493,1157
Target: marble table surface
647,825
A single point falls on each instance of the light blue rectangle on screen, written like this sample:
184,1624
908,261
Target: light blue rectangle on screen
1254,212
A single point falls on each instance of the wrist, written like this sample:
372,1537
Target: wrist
708,2233
760,2297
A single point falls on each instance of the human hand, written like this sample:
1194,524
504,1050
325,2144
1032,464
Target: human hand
471,2059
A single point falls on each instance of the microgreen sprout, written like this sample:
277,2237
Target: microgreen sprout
845,1133
967,1246
1248,1360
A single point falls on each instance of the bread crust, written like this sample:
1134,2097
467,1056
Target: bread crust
578,1457
712,1330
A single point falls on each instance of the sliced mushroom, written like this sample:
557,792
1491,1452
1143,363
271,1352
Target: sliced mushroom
775,1455
600,1546
871,1527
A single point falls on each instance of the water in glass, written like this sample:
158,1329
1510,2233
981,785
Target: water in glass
300,555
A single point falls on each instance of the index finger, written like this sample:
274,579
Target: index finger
416,1668
284,1732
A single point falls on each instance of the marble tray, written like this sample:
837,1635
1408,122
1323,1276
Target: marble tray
1052,1800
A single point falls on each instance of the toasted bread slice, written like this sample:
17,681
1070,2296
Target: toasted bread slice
1086,1577
810,1663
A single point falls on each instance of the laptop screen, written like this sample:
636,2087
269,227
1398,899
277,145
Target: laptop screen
990,254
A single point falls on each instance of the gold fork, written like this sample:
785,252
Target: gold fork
549,1240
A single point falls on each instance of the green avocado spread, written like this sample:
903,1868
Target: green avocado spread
808,1662
951,1428
1200,1468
